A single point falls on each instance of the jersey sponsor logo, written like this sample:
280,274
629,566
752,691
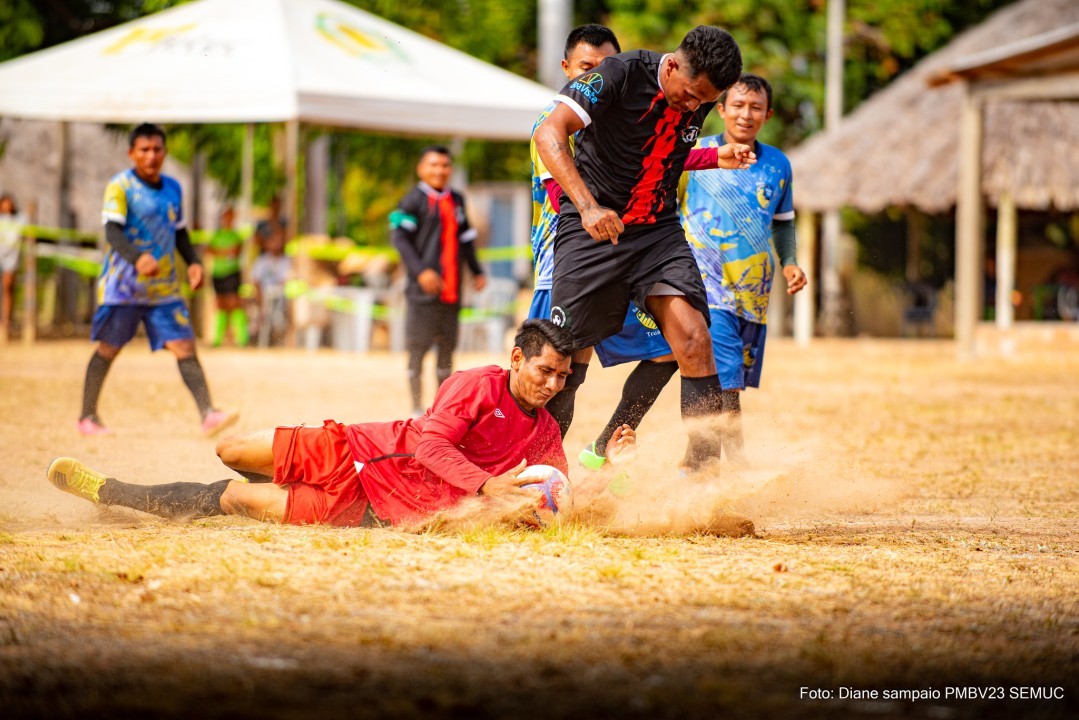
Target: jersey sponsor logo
588,85
690,134
765,193
558,316
498,414
644,318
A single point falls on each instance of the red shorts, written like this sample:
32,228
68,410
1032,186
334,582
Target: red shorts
315,466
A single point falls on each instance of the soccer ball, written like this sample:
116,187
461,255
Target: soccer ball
556,489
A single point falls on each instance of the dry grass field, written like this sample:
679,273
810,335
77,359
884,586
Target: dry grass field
917,536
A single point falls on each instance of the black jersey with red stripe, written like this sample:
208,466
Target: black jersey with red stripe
634,146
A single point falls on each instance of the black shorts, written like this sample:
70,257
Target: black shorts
595,281
227,285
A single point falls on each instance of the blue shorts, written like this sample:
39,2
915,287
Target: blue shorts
116,324
540,309
738,345
639,339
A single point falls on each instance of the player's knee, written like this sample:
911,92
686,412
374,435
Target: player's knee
230,450
109,352
697,346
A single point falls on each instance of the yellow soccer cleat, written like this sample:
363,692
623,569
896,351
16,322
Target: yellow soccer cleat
70,475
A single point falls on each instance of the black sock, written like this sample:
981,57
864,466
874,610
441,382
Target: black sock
442,374
96,371
701,401
195,379
561,405
173,500
639,394
733,440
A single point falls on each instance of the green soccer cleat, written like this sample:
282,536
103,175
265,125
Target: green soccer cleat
590,460
70,475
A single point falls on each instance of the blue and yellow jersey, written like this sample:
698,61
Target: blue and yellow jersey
544,218
150,216
727,215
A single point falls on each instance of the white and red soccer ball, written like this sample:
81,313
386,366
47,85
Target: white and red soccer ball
557,492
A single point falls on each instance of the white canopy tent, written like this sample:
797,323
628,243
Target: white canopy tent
291,61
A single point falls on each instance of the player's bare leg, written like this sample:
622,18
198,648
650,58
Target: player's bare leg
264,501
250,454
686,330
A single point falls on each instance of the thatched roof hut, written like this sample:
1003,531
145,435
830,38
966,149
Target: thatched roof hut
900,148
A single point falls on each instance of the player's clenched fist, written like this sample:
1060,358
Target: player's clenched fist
602,224
735,156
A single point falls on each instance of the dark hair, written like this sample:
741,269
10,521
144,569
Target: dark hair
712,51
10,198
534,335
146,130
754,83
595,35
437,149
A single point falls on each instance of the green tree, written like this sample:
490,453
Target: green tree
784,40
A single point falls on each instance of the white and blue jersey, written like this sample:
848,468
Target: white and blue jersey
728,221
544,217
150,217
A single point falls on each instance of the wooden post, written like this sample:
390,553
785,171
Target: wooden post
555,20
245,215
292,185
915,235
29,291
831,289
247,176
969,230
1007,241
777,304
804,307
316,198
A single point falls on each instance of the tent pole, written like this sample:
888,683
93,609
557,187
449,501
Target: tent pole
292,186
459,179
807,260
1007,241
969,243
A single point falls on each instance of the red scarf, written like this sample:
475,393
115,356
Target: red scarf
450,271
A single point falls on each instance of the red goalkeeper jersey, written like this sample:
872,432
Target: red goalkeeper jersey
473,431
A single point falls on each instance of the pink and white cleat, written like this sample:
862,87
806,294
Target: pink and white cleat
217,420
91,426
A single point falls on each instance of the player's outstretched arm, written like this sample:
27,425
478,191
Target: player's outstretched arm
735,156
